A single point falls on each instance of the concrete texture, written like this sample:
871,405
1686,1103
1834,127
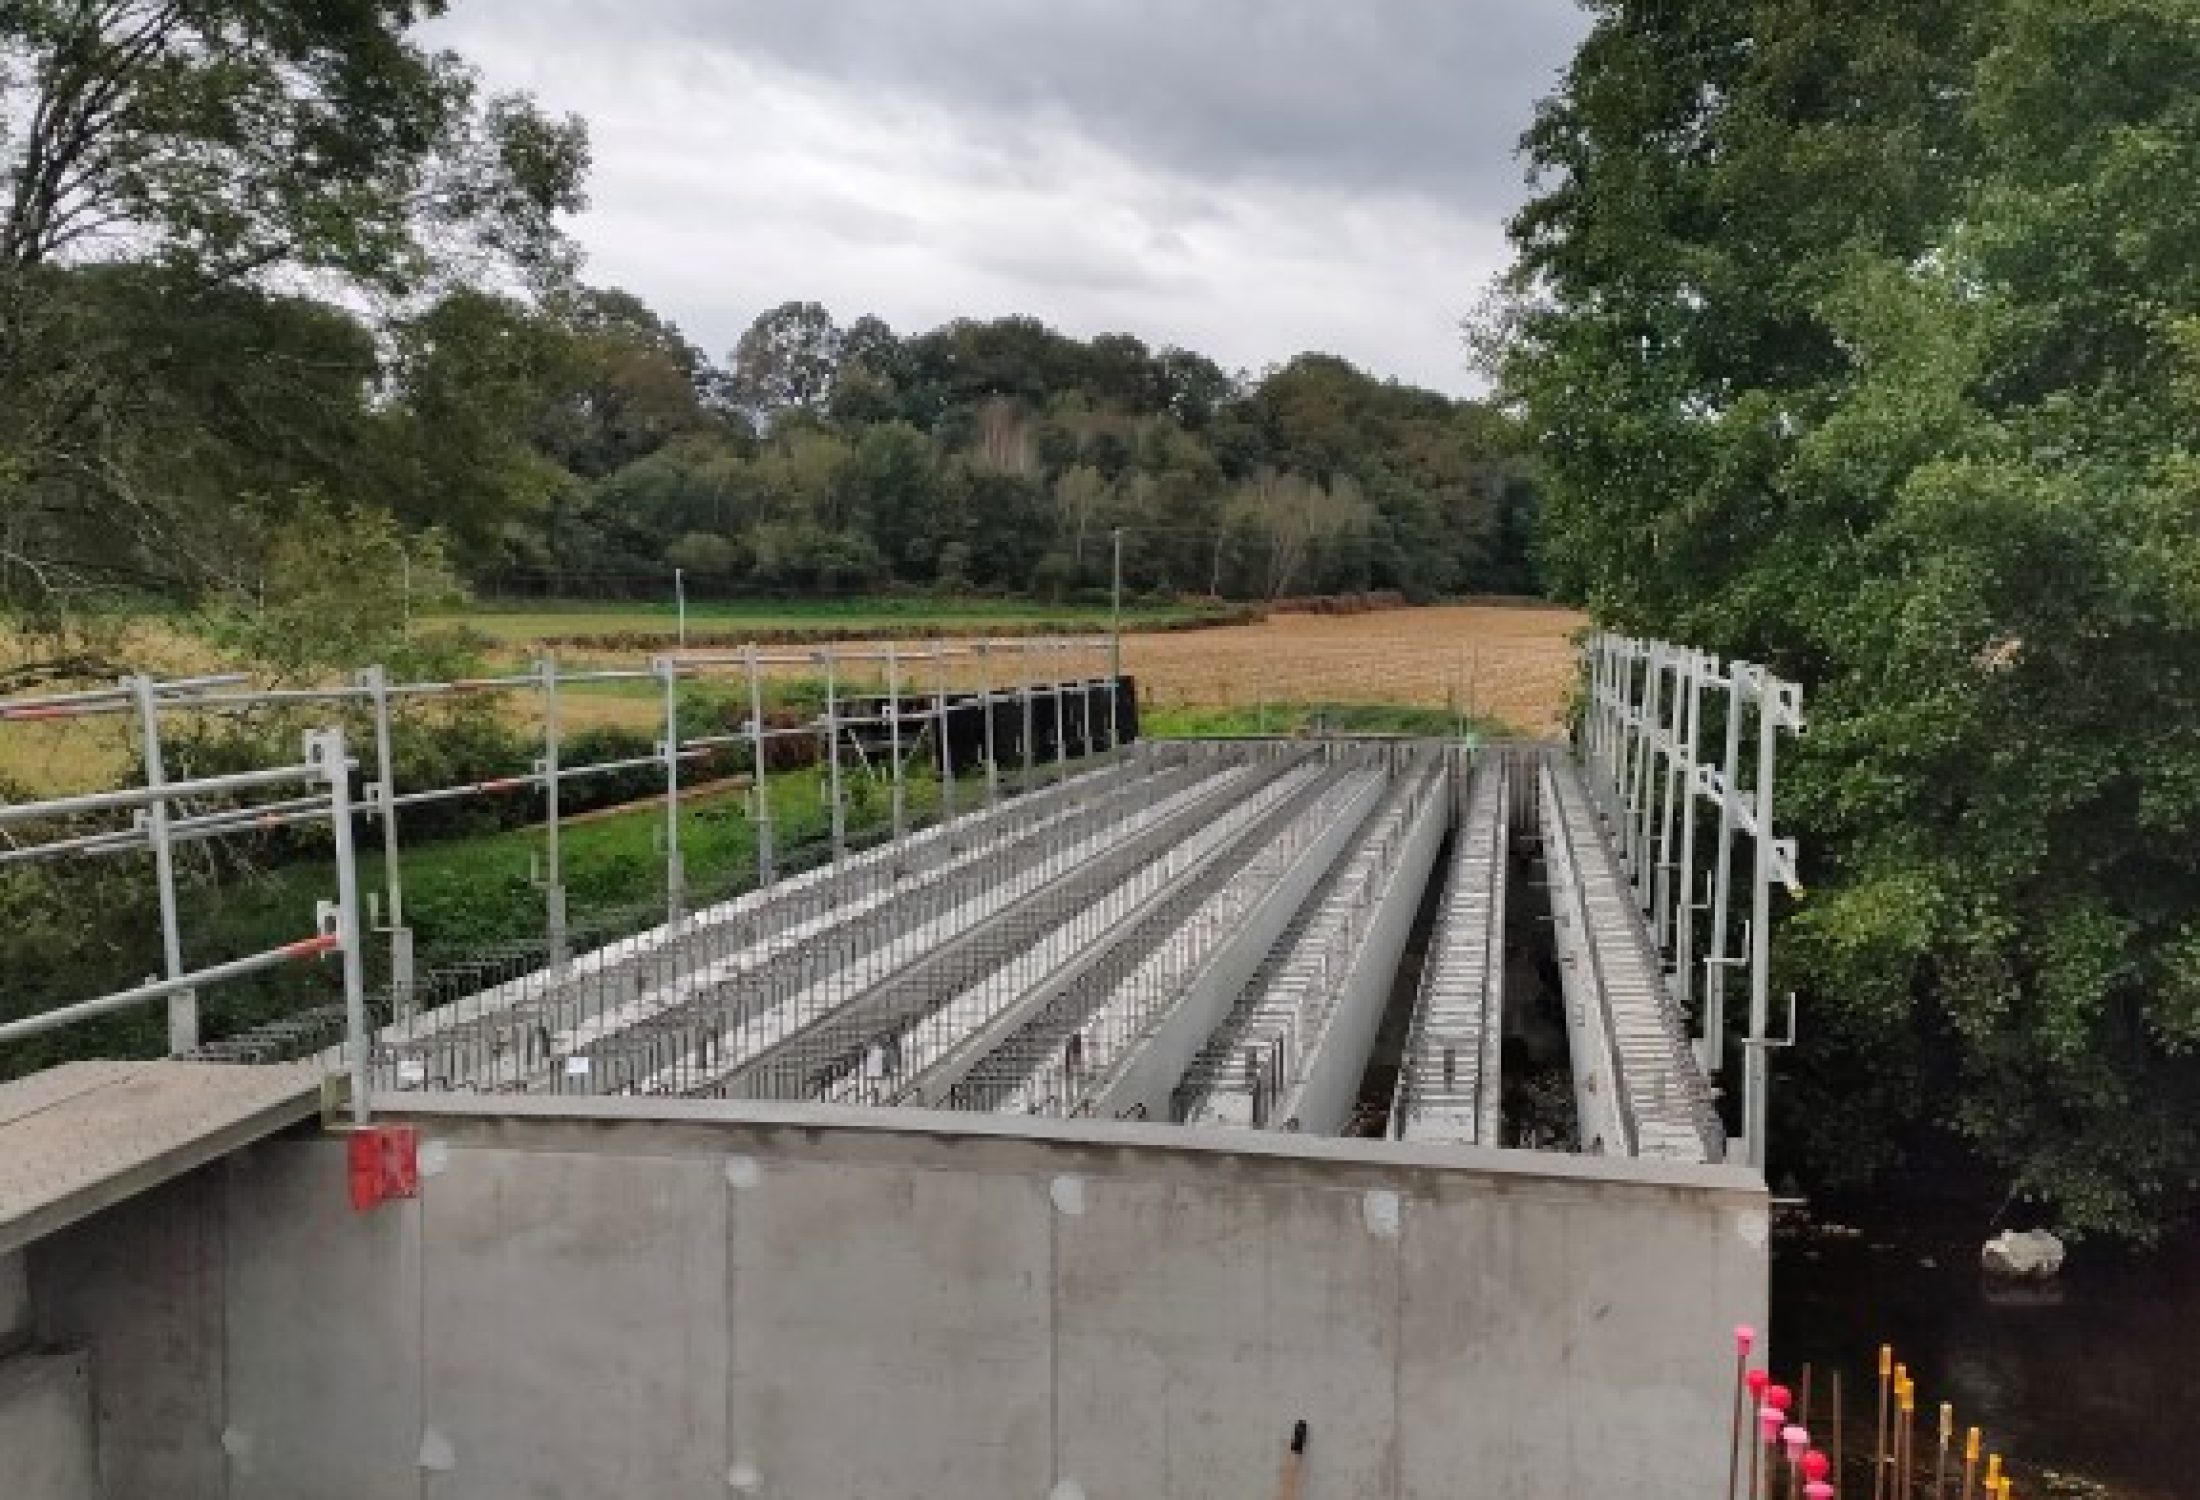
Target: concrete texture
649,1298
80,1137
304,1273
46,1428
141,1288
1323,1102
1142,1086
15,1301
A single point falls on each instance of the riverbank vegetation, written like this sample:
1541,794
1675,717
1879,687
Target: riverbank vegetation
1865,341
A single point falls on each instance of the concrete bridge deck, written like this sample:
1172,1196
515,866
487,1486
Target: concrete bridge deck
78,1138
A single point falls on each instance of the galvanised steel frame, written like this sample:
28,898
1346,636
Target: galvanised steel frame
1664,733
914,718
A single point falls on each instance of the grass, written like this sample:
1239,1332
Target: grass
521,622
1309,718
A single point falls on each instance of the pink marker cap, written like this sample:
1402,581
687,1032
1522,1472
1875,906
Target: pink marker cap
1818,1489
1757,1380
1797,1439
1771,1419
1745,1338
1780,1396
1815,1464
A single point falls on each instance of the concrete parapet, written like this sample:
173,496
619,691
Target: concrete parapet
654,1298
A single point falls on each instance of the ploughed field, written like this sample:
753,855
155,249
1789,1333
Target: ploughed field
1513,664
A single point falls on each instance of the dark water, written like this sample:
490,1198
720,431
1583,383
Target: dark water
2092,1376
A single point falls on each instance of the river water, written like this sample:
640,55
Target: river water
2092,1377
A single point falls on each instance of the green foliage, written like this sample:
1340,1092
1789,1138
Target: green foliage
1001,455
165,166
1862,342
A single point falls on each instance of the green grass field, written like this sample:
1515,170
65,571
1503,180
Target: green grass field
519,623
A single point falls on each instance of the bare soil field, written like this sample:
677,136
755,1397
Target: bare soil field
1511,663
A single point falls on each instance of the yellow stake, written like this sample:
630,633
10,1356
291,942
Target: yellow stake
1879,1443
1907,1446
1970,1461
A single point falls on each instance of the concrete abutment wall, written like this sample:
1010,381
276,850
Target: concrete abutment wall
643,1299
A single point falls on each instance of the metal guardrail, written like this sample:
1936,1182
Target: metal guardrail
993,727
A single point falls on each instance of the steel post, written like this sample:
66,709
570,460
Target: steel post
376,681
183,1006
947,749
832,758
675,874
326,749
553,853
1029,725
893,729
1758,1062
764,871
1722,881
992,755
1685,905
1061,722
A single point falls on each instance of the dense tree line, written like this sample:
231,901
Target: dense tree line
1000,455
1865,340
263,265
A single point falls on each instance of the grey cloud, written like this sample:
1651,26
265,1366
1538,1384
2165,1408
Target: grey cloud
1423,97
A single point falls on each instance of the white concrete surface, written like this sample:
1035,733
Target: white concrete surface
656,1298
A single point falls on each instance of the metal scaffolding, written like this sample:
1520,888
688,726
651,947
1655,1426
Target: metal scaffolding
1668,730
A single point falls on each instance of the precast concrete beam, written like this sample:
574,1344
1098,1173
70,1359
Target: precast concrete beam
1449,1088
1142,1085
939,965
933,1087
1334,1061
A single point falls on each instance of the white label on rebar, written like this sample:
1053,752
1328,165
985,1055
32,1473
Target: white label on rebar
743,1479
237,1443
1068,1194
412,1070
435,1157
742,1171
1381,1210
1753,1228
1068,1489
576,1067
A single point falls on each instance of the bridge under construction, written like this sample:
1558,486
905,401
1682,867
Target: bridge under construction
1201,997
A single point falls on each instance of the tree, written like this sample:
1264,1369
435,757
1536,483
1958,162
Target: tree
639,383
233,137
1863,344
786,361
221,148
475,378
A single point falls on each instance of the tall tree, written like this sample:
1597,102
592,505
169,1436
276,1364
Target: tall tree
786,361
223,146
1861,342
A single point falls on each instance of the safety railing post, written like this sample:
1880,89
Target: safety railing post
376,681
1025,785
764,854
832,758
557,937
946,745
325,749
900,791
992,754
668,671
1722,879
183,1006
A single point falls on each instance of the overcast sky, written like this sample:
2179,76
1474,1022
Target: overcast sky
1249,178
